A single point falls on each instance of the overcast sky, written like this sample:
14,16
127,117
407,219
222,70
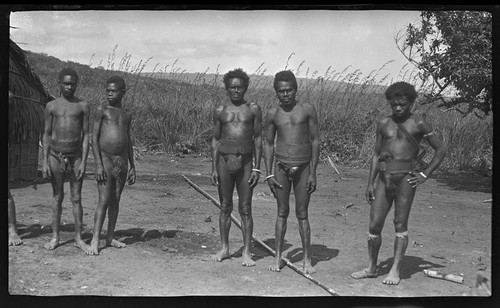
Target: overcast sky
205,39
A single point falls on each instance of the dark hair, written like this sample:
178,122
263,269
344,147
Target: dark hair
117,80
401,88
237,73
67,71
285,76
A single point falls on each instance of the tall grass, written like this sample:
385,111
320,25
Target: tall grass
173,111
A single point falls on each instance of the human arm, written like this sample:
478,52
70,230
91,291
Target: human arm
374,167
215,145
131,177
268,147
47,136
100,174
440,150
257,139
85,141
314,139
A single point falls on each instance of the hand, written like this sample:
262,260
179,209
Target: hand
254,179
131,176
81,172
415,179
273,184
100,175
46,171
311,184
370,194
215,178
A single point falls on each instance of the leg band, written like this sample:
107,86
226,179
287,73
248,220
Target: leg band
402,234
373,237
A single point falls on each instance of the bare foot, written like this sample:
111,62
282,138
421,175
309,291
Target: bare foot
308,268
115,243
276,266
14,239
93,249
364,273
247,260
221,255
81,244
391,279
52,244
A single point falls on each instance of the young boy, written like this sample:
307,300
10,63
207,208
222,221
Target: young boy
295,126
394,161
112,148
237,137
65,150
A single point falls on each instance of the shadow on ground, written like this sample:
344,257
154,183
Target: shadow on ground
466,181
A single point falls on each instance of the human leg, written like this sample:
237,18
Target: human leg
57,182
283,202
76,200
302,199
245,210
378,212
14,238
226,187
120,178
402,206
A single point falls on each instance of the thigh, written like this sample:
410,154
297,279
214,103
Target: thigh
283,193
381,205
226,181
300,188
242,185
75,185
403,200
57,176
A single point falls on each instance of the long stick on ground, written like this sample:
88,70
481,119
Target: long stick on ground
237,223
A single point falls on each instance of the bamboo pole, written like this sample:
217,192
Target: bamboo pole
238,224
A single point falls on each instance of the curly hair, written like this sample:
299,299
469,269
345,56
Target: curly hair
285,76
116,80
401,88
67,72
237,73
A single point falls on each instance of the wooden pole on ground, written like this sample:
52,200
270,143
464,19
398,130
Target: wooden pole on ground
238,224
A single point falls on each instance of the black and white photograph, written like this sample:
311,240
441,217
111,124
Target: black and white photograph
266,152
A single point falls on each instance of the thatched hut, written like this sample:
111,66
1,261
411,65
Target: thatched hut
27,100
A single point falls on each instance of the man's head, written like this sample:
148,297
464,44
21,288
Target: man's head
285,85
236,83
401,96
115,89
68,79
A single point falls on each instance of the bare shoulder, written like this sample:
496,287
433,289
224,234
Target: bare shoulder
383,120
308,107
254,107
271,112
422,124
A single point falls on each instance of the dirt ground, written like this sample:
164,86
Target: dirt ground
171,230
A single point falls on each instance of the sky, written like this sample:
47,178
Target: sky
220,40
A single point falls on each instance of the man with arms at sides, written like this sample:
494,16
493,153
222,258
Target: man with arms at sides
394,161
236,143
14,238
295,126
65,150
113,152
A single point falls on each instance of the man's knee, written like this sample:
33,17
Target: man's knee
301,214
245,209
226,207
283,212
76,199
59,197
400,225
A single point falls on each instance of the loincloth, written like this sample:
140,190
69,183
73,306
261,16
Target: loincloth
235,153
290,158
66,160
388,167
120,165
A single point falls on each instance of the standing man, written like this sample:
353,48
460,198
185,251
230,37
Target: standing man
14,238
295,126
394,161
65,150
237,138
112,147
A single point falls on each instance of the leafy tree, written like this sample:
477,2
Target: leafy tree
453,49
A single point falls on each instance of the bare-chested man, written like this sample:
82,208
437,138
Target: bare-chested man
295,126
394,161
113,152
237,138
65,150
14,238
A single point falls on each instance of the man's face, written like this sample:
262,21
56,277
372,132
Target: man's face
286,92
114,93
400,106
67,86
236,89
